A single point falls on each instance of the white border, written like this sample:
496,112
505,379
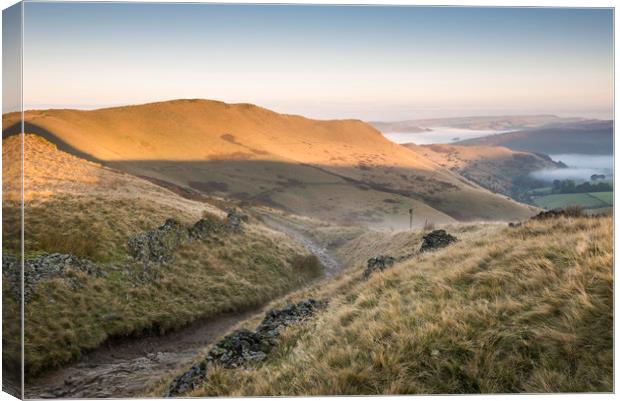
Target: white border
476,3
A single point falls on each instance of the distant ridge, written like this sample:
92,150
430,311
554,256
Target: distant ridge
330,169
584,137
497,123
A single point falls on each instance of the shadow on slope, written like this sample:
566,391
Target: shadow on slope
363,194
30,128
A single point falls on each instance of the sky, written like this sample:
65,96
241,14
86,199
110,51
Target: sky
367,62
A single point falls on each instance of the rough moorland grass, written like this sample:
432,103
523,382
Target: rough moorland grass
96,228
525,309
230,272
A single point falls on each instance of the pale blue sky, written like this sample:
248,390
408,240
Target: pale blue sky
322,61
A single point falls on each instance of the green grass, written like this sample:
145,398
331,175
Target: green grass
585,200
540,191
607,197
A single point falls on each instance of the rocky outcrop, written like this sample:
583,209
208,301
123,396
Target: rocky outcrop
239,348
244,347
206,227
378,263
436,239
235,220
44,267
158,245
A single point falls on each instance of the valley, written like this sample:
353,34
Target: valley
155,241
520,156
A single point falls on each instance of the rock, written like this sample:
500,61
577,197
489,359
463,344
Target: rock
110,317
244,347
239,348
378,263
188,380
206,226
436,239
44,267
276,319
235,219
157,245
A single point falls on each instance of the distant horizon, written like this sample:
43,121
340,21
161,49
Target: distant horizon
371,62
437,116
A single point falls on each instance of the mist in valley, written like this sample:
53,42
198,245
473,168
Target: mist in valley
579,167
437,135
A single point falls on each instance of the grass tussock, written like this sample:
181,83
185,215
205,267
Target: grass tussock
525,309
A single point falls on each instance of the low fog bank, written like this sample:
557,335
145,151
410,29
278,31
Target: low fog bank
437,135
580,167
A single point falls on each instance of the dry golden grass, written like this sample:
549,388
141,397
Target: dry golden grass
525,309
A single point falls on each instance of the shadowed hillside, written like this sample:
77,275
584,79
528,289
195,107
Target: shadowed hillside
495,168
587,137
262,157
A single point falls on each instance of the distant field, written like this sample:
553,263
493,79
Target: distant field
607,197
541,191
586,200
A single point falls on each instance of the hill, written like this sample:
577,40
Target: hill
341,170
587,137
503,310
110,255
492,123
495,168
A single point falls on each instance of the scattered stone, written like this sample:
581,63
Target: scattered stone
205,227
244,347
378,263
276,319
157,245
239,348
188,380
110,317
44,267
235,219
436,239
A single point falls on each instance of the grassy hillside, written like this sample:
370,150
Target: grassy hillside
525,309
498,169
587,137
81,208
342,170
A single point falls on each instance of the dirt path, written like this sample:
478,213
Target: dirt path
128,368
332,266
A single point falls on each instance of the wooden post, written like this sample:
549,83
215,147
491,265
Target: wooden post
410,219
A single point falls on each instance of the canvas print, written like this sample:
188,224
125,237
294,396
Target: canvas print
209,200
